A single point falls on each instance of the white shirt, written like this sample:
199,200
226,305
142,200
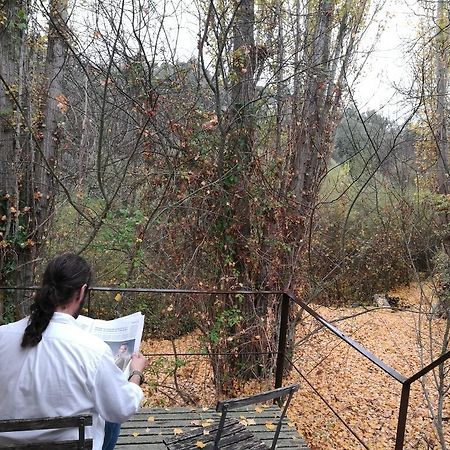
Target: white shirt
69,372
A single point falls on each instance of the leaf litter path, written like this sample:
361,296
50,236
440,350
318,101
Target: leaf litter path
364,396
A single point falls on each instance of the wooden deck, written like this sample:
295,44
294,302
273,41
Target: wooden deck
147,429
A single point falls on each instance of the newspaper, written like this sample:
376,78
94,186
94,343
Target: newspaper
123,335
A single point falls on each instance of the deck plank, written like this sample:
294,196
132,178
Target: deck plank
147,429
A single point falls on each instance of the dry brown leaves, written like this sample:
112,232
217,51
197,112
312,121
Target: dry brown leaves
177,380
364,396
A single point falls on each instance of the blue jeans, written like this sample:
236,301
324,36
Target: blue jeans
112,431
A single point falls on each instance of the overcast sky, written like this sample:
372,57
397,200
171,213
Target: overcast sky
389,65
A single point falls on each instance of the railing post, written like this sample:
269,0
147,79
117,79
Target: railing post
403,412
282,341
89,290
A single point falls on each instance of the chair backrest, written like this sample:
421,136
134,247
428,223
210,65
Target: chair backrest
235,403
47,423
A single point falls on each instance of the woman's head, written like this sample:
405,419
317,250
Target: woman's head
63,279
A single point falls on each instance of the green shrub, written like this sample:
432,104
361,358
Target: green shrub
381,243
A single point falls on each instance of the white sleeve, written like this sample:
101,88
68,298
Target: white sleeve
115,398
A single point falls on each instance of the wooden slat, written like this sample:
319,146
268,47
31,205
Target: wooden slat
230,426
140,434
234,435
62,445
47,423
43,423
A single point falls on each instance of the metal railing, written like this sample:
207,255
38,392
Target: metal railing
287,299
405,382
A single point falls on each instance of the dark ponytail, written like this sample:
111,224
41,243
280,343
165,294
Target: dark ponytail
63,277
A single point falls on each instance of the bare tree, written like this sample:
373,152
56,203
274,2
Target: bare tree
15,240
27,165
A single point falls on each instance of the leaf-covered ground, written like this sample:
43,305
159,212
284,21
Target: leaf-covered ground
363,395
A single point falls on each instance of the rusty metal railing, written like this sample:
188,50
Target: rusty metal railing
287,298
405,382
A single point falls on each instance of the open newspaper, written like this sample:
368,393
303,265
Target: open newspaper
123,335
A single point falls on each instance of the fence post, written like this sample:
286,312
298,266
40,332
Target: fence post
282,340
89,290
403,412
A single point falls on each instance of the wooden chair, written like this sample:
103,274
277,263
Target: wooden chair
80,422
231,434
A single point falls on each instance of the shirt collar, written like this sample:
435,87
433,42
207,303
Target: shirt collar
61,317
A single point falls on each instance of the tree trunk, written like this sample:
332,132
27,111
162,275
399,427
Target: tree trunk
441,132
13,147
239,151
237,162
39,190
26,181
55,107
324,45
443,187
442,68
260,240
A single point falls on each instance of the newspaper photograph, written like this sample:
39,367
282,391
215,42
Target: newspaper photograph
123,335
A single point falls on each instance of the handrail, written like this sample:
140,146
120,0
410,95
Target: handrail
358,347
157,290
404,381
426,369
